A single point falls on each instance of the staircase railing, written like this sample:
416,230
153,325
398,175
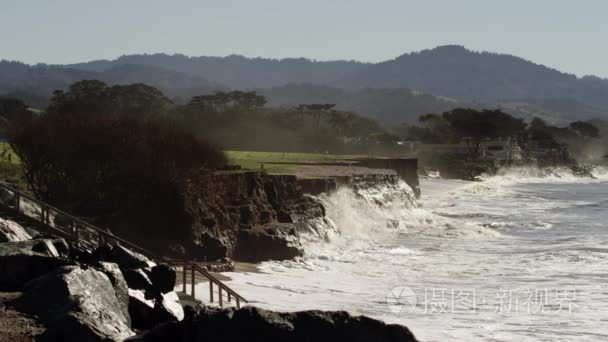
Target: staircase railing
84,232
193,268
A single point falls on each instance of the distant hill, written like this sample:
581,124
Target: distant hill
456,72
394,91
35,84
237,71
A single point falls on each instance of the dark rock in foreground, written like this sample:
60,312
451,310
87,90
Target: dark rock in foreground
12,231
112,271
163,278
252,323
76,304
146,313
23,261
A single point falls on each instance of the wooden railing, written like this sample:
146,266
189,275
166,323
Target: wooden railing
91,236
193,268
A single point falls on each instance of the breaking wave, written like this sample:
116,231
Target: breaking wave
513,175
362,214
497,184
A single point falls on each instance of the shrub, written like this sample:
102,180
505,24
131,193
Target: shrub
119,171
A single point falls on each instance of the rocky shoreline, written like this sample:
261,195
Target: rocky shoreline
54,290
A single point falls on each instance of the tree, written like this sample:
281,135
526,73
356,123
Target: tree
316,110
123,172
584,129
92,97
479,125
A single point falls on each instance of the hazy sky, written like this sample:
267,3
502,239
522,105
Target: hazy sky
565,34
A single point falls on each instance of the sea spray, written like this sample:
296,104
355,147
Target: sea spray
362,212
550,244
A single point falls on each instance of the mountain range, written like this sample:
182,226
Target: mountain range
393,91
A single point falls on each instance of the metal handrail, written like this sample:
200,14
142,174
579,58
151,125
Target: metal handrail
46,207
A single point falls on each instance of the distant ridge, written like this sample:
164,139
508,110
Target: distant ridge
392,91
237,71
456,72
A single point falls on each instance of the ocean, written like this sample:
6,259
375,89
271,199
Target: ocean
520,256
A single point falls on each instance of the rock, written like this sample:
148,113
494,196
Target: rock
168,308
261,245
210,324
138,279
222,265
127,259
63,220
7,197
122,256
284,216
12,231
120,285
163,278
141,310
47,247
146,313
19,263
76,304
63,247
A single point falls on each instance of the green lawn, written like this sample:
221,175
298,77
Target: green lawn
10,168
251,160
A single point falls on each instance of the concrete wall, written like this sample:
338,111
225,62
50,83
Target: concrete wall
407,169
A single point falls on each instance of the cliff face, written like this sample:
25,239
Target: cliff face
249,216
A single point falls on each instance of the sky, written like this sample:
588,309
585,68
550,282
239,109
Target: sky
563,34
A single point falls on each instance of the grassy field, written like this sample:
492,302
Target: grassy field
10,168
251,160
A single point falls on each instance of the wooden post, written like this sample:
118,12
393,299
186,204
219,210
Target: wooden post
193,281
229,297
220,296
238,302
210,291
185,277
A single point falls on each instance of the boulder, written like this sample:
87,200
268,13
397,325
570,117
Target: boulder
119,283
127,259
163,278
141,310
12,231
146,313
7,197
211,324
168,308
258,245
76,304
138,280
46,246
63,247
19,263
62,220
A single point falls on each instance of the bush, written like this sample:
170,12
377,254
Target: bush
118,171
